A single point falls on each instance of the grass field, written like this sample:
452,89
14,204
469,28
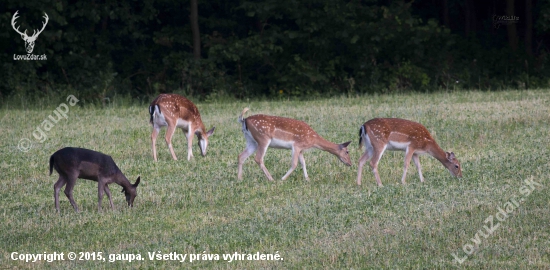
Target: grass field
199,207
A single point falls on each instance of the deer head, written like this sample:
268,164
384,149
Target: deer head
29,41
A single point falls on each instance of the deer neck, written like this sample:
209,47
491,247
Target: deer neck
325,145
199,128
121,180
439,154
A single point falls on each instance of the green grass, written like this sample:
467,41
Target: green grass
501,139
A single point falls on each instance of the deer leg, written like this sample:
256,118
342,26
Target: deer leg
376,155
408,155
108,192
189,136
100,191
154,135
71,182
416,159
169,133
294,162
251,147
260,159
364,158
56,187
303,162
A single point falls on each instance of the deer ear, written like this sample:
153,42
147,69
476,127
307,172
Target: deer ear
450,156
344,144
210,132
137,181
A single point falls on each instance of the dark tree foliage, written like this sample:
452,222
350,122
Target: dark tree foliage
274,48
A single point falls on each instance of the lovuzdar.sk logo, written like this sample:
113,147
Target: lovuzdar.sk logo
29,40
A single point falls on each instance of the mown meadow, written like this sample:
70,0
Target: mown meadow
489,219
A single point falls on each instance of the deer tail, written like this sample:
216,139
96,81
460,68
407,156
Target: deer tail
241,117
361,133
51,164
152,111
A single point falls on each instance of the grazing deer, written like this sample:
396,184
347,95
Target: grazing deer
175,111
263,131
380,134
72,163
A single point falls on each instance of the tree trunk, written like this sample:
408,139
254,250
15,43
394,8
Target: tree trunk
512,32
194,18
467,17
445,16
529,27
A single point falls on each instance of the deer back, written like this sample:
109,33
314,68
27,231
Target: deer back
280,128
400,131
174,107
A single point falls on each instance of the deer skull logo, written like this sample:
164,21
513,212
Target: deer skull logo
29,41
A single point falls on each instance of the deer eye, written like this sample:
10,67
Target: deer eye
456,166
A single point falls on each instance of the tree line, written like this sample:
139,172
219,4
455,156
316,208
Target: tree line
273,48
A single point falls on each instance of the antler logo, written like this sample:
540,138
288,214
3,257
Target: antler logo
29,41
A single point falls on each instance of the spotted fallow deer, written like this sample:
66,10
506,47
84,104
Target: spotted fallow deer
175,111
263,131
380,134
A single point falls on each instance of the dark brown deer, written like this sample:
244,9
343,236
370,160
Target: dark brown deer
72,163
